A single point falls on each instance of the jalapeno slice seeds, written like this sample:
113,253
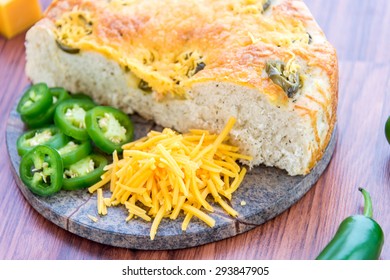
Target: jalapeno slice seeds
84,173
50,136
41,170
70,117
35,100
74,151
109,128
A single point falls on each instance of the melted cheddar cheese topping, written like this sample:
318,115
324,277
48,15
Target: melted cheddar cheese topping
170,45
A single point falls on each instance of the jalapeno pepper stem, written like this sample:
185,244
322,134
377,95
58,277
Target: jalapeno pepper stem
367,203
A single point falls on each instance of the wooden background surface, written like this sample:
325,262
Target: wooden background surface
359,29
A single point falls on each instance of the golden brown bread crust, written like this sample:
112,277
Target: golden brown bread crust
332,118
223,37
233,38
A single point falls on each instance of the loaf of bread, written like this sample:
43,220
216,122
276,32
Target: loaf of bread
194,64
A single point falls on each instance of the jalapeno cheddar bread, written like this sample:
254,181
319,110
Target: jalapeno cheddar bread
194,64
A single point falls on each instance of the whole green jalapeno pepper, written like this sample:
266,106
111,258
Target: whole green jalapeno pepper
387,130
358,237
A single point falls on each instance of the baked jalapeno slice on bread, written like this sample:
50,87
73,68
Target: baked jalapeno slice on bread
290,82
74,151
47,116
70,117
109,128
49,136
41,170
35,100
266,5
84,173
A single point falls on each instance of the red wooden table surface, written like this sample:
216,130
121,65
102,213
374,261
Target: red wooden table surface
359,31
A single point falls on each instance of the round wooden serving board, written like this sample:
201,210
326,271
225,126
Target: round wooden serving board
266,191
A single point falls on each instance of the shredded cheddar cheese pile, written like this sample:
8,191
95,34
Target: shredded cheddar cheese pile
165,173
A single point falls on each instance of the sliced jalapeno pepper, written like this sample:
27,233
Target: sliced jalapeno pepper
84,173
74,151
47,117
35,100
82,96
41,170
70,117
109,128
50,136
